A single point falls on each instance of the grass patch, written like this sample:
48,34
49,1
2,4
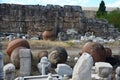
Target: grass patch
46,44
70,43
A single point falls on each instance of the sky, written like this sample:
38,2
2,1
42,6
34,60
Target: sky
83,3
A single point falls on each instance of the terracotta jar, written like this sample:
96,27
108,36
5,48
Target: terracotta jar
15,59
42,53
48,35
108,52
17,43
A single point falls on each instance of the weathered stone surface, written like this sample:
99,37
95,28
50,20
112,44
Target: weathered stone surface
118,71
9,71
25,62
64,69
103,69
44,66
101,27
40,77
33,19
83,67
62,36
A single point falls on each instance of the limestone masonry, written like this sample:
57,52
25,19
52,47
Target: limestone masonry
33,19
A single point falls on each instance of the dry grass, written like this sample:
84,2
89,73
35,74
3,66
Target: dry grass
46,44
41,44
38,44
113,44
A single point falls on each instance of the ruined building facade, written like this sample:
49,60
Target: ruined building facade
33,19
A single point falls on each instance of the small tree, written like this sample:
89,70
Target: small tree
102,10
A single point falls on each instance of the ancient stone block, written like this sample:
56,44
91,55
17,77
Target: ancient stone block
64,69
103,69
9,71
25,62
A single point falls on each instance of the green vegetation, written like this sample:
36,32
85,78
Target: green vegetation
102,10
113,17
70,43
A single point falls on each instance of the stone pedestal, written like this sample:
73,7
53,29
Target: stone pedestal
25,62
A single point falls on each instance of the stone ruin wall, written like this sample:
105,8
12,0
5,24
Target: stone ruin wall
33,19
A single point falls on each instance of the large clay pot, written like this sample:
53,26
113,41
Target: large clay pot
17,43
96,50
48,35
41,54
15,59
108,52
